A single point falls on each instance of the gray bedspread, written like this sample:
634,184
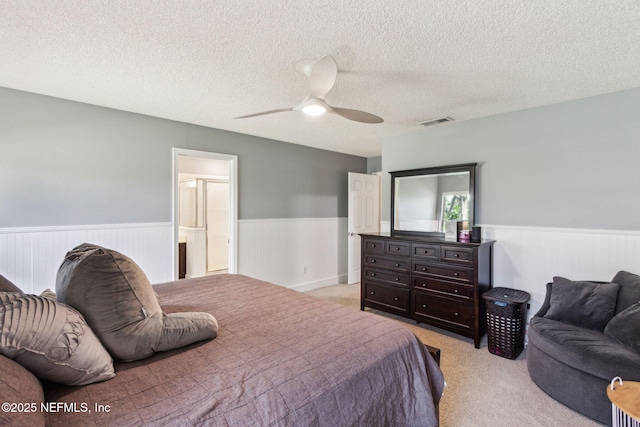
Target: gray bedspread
281,358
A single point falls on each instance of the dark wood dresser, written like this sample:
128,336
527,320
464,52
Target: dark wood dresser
429,280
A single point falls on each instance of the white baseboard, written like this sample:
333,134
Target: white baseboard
309,286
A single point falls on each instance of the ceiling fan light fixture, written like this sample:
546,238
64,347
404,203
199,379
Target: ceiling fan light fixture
314,110
314,107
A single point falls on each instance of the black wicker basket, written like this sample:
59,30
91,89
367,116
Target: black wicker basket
506,319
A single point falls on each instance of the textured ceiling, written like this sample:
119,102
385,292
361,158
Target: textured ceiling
205,62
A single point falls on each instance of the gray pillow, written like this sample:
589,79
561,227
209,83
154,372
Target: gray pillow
585,304
624,327
629,289
120,305
7,286
51,340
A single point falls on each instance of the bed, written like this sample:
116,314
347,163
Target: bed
281,358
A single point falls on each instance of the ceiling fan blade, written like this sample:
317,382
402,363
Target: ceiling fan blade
280,110
323,76
357,115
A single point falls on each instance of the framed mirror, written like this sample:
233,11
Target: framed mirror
422,200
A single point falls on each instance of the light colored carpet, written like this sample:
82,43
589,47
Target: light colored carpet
482,389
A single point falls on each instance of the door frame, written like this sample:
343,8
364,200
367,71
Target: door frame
233,202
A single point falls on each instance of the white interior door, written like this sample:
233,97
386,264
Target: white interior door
364,216
217,225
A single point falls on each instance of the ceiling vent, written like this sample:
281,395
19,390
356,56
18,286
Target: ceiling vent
436,121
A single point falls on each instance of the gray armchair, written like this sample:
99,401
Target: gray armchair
585,334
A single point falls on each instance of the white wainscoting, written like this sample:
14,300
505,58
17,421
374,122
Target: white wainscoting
309,253
301,253
527,258
30,257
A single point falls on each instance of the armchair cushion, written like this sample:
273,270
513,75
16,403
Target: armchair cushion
625,327
629,290
583,349
586,304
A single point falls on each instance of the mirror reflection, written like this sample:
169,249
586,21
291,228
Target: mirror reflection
424,199
424,202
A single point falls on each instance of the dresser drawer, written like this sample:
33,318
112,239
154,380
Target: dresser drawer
387,276
426,251
374,246
443,309
457,254
397,248
400,264
396,298
439,271
450,289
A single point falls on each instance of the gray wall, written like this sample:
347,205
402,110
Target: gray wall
574,165
68,163
374,164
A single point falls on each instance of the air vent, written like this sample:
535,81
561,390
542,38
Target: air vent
436,121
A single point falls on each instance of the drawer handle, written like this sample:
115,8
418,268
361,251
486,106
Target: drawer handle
373,245
373,274
397,279
456,274
373,293
456,313
396,299
397,265
456,255
373,261
455,291
424,285
424,268
425,251
424,305
397,248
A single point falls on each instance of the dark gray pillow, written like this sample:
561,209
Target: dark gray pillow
624,327
585,304
629,289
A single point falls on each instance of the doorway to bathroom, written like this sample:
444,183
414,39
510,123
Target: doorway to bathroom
205,212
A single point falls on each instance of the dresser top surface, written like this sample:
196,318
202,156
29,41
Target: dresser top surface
425,239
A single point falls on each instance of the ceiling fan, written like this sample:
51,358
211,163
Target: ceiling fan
322,77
